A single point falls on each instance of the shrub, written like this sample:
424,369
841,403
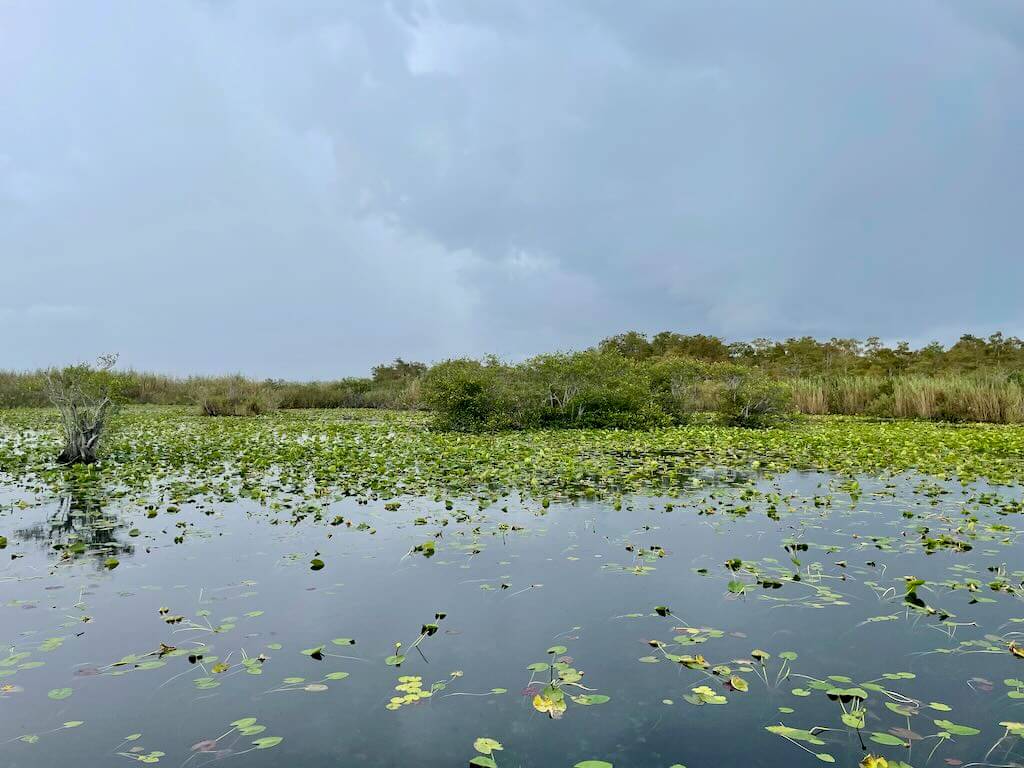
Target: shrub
236,396
683,386
87,398
583,389
753,399
593,389
465,395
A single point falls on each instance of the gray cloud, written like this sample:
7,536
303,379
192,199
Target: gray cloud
304,189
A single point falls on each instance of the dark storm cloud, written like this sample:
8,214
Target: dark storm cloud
303,189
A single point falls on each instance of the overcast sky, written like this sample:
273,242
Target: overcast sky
304,188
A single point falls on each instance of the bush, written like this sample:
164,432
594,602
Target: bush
684,386
753,399
583,389
86,397
236,396
465,395
593,389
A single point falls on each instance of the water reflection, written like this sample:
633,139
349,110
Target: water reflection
80,523
570,632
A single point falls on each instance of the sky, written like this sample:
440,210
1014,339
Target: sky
303,189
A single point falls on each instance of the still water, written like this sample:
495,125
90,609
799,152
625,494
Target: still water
141,635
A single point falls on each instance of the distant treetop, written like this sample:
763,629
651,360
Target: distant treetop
807,356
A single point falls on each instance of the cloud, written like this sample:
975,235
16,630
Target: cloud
308,188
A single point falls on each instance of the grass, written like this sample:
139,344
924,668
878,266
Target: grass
237,397
27,390
984,397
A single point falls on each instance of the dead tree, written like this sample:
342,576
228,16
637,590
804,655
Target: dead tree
81,393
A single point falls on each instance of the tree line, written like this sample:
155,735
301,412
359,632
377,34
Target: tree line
630,380
807,356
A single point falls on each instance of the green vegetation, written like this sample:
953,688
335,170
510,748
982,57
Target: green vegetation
392,453
807,357
395,385
236,396
599,389
632,381
86,398
267,577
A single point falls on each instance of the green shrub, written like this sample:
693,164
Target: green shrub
753,399
464,394
87,397
583,389
22,389
684,386
593,389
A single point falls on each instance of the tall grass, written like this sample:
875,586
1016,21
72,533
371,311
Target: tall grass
859,395
987,397
19,389
810,396
236,396
959,398
22,389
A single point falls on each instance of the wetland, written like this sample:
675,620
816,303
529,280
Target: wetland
357,588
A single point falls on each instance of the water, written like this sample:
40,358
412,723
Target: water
512,584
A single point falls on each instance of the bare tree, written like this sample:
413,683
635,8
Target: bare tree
82,394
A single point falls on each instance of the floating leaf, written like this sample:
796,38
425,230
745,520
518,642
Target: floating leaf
957,730
485,746
887,739
854,719
591,699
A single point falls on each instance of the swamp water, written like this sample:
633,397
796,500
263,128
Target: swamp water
747,621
